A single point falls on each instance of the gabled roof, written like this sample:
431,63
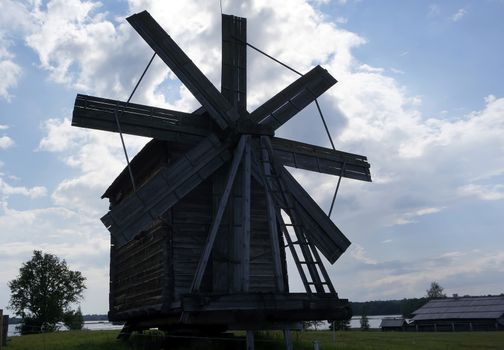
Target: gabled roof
392,322
491,307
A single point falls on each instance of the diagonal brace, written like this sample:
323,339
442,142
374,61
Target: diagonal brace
200,270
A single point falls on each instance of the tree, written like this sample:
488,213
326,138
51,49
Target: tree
43,291
408,306
73,319
435,291
364,321
340,325
312,324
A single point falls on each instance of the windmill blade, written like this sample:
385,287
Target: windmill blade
323,160
199,85
288,102
137,212
319,228
135,119
234,61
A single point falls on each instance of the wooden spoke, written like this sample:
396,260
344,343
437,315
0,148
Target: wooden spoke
288,102
323,160
199,85
163,124
234,62
320,229
166,188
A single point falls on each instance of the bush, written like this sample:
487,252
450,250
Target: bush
73,319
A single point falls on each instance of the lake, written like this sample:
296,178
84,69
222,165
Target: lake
374,322
90,325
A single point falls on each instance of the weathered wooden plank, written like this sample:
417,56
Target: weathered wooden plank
288,102
245,222
198,277
319,228
99,113
199,85
323,160
265,172
138,211
234,62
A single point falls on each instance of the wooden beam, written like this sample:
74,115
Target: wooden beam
320,230
246,198
195,81
250,340
287,339
99,113
271,209
200,270
320,159
165,188
288,102
234,62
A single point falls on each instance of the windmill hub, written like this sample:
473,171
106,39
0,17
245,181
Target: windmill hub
245,126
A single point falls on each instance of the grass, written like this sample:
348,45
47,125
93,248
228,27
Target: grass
106,340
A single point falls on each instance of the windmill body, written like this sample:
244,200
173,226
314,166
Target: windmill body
201,240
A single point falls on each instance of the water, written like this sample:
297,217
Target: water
374,323
90,325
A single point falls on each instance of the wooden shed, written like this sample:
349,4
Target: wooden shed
393,324
461,314
151,274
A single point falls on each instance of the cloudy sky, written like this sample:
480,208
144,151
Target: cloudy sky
420,93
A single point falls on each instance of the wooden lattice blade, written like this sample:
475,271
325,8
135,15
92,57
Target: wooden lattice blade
288,102
323,160
318,227
135,119
234,61
164,189
291,197
199,85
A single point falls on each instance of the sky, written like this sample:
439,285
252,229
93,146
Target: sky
419,93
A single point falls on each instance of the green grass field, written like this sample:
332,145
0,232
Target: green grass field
105,340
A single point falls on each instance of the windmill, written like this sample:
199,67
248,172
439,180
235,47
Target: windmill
198,236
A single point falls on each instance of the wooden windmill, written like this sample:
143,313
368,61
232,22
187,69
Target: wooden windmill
200,240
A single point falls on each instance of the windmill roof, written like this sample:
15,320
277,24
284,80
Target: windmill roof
491,307
392,322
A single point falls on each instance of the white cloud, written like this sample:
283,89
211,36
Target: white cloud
434,10
3,127
33,192
10,72
409,217
359,253
487,193
97,155
457,16
6,142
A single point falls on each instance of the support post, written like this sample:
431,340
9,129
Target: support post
246,177
5,329
250,340
287,339
1,328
